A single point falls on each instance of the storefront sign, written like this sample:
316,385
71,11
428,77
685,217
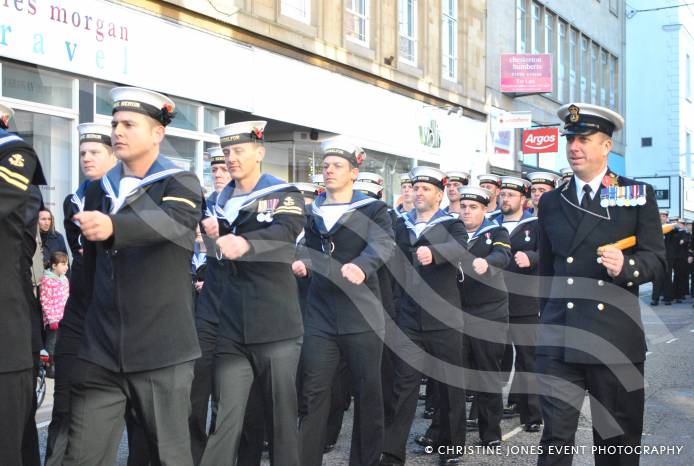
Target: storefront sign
513,120
541,140
526,73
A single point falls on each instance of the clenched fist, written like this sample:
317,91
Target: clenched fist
424,255
95,225
232,246
353,274
480,266
299,269
211,227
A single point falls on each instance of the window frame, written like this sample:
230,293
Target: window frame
521,26
449,18
292,13
363,17
405,7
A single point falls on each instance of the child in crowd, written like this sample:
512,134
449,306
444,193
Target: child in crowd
54,293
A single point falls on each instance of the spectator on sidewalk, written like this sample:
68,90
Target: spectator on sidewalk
55,290
51,240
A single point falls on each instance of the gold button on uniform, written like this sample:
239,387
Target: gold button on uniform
601,307
570,305
569,260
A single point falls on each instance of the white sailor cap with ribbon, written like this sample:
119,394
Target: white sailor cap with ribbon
307,189
369,177
516,184
489,178
368,188
566,172
94,132
475,193
459,176
216,155
429,175
586,119
150,103
405,179
340,146
550,179
6,115
241,132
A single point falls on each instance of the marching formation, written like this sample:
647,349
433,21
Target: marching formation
214,328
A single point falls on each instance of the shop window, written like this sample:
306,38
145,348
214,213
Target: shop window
186,116
102,96
213,119
180,150
37,85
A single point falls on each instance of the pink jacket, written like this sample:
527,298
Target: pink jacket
54,294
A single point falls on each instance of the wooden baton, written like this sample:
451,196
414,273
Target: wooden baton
630,241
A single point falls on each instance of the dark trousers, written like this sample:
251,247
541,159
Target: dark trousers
524,387
320,360
274,364
201,389
681,269
663,285
563,387
16,401
160,399
445,346
340,399
484,357
254,433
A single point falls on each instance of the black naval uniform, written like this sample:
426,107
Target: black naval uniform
663,284
681,267
19,169
260,323
524,312
344,320
422,288
597,343
139,338
485,311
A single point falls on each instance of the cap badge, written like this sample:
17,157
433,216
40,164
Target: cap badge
574,115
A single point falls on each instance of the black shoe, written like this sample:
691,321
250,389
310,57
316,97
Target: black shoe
532,427
428,413
328,448
447,460
472,423
424,441
654,303
390,460
511,411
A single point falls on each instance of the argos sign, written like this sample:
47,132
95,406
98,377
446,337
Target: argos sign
541,140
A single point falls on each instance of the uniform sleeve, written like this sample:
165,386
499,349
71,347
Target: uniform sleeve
16,171
500,255
379,242
533,255
645,262
545,265
453,249
171,221
288,221
72,231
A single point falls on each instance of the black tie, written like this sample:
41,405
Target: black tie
585,202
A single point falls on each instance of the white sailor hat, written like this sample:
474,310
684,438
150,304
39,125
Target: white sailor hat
459,176
340,146
489,178
318,180
368,188
566,172
429,175
94,132
6,115
216,155
307,189
370,177
405,179
516,184
241,132
550,179
582,118
150,103
664,211
475,193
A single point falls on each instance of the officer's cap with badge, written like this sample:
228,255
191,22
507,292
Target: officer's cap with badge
461,177
516,184
405,179
490,179
475,193
343,147
6,115
429,175
586,119
241,133
546,178
150,103
94,132
216,155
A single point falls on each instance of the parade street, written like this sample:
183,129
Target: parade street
668,420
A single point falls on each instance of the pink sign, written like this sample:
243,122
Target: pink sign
526,73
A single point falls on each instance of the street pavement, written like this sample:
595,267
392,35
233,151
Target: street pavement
668,420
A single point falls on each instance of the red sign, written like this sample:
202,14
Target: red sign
526,73
542,140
